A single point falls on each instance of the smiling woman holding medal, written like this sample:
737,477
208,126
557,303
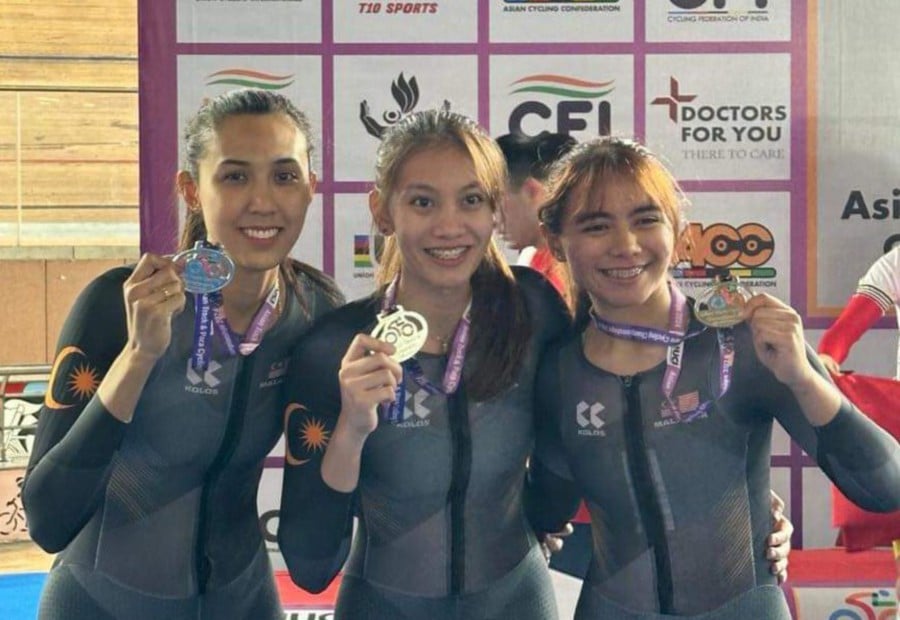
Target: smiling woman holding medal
422,394
148,488
658,410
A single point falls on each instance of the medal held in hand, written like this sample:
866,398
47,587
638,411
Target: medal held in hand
207,269
405,329
722,303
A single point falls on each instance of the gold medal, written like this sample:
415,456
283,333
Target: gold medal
405,329
722,303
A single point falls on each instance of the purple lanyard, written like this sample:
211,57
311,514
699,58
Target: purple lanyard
674,338
209,315
456,357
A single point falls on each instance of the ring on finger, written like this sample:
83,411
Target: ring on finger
166,294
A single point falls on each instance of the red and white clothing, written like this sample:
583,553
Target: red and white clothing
542,261
878,290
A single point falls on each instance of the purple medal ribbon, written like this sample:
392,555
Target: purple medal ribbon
674,337
209,315
455,361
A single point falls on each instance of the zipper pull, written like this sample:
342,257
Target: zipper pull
626,380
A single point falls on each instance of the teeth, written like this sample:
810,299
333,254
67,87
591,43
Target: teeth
261,233
446,253
623,273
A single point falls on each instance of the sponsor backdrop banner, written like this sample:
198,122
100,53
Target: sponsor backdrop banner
774,114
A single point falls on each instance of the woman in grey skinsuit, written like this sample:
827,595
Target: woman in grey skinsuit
146,465
662,424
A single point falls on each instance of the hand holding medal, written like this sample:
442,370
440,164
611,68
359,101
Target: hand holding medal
722,304
153,295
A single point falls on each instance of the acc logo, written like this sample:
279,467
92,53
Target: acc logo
582,104
742,251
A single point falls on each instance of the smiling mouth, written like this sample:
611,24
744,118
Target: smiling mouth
623,274
260,233
446,253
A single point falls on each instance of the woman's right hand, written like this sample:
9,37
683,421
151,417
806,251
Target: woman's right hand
154,293
368,377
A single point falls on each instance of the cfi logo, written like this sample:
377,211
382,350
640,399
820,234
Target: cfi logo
721,124
248,78
718,4
406,96
589,420
207,383
580,104
742,251
72,380
719,11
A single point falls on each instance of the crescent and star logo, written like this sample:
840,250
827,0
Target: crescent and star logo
312,434
81,381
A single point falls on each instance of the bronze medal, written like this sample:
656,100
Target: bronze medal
721,305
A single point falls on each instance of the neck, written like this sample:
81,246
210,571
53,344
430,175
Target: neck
442,308
618,356
653,312
245,294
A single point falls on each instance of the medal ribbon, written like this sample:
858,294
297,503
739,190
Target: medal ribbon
209,315
674,338
455,359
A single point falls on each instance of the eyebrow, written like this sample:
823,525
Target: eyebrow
587,216
425,187
241,162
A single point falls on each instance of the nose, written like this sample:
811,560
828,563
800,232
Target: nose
624,241
449,222
261,197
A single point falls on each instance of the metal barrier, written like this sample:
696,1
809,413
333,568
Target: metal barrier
19,411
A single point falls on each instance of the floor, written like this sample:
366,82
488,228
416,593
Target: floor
23,557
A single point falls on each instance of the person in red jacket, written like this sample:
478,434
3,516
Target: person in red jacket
878,290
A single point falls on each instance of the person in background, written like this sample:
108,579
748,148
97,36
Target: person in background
158,417
663,424
878,291
529,159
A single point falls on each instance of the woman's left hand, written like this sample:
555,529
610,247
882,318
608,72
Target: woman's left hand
778,543
552,542
778,339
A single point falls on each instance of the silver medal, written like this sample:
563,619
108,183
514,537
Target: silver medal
205,269
405,329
